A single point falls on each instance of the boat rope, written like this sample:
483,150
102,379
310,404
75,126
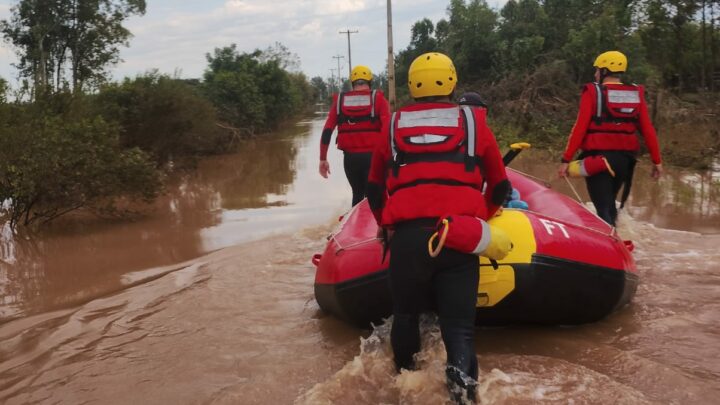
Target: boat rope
352,245
613,231
573,190
544,182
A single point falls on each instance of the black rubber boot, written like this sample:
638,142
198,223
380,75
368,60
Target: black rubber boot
463,389
405,340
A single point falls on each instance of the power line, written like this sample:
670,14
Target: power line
348,32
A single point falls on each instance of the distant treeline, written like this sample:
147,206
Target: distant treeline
668,42
71,139
529,58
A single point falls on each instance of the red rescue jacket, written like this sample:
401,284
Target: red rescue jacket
609,118
432,164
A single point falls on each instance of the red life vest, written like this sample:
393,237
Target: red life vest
434,170
615,120
358,123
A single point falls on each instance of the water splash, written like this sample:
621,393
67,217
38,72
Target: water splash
7,244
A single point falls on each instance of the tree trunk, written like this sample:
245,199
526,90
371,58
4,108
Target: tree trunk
703,70
41,83
713,52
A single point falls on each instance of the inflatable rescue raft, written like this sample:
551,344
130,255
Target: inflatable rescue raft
567,266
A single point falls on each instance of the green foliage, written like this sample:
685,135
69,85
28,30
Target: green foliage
321,89
52,163
252,91
672,43
521,43
163,116
529,58
4,88
68,43
472,40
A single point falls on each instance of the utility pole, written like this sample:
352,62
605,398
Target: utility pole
338,57
391,58
348,32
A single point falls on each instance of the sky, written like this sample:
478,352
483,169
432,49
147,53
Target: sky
175,35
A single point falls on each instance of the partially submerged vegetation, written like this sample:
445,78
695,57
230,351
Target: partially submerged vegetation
71,140
530,58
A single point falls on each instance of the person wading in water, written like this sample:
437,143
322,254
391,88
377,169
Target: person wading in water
610,115
359,116
432,162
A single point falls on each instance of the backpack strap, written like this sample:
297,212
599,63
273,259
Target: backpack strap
599,101
470,137
341,119
393,148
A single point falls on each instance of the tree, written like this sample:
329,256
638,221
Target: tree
3,90
53,163
472,39
281,54
165,117
251,90
68,43
321,88
521,31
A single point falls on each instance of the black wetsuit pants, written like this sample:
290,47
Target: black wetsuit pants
447,284
357,168
603,188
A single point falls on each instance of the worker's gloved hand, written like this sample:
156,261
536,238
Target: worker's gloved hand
500,244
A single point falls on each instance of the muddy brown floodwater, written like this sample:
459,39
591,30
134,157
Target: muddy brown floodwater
209,300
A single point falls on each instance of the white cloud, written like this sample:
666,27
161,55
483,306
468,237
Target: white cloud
340,6
7,55
312,28
177,35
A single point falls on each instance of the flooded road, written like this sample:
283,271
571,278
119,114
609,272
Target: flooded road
209,300
270,187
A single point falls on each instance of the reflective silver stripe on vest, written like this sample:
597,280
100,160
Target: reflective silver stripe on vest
359,100
624,96
439,117
485,239
470,120
427,138
598,90
372,103
393,149
583,170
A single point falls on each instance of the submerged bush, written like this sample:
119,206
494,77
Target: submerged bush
163,116
53,163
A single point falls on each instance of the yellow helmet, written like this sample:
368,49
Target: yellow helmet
613,61
360,72
431,74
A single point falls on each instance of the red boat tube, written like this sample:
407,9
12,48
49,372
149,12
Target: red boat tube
567,266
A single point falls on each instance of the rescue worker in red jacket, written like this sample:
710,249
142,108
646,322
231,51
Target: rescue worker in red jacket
611,113
432,162
359,116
